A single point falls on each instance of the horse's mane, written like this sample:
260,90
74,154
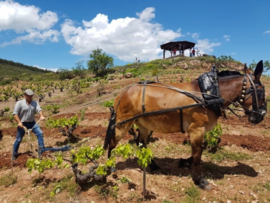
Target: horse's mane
227,73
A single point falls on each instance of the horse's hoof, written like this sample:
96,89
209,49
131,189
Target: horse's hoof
203,184
206,187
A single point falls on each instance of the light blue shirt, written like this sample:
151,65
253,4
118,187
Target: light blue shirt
26,112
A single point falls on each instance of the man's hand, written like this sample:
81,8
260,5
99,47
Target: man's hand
20,125
42,118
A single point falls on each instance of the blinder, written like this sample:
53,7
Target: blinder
258,112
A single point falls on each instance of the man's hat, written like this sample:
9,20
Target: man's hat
29,92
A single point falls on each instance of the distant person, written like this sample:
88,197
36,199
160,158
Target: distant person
198,52
24,113
174,51
190,52
138,60
193,52
180,50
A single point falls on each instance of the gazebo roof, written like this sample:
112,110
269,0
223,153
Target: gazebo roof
175,45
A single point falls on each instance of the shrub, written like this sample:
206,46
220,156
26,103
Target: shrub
7,109
212,138
108,103
54,108
8,180
82,114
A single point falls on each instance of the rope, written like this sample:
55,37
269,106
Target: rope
87,104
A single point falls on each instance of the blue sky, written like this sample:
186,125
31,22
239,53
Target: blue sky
56,34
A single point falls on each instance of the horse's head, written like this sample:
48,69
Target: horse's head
252,98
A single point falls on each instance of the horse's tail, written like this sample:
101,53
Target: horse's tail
111,129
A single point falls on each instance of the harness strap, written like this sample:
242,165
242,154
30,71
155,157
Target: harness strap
181,121
255,92
159,112
239,116
143,97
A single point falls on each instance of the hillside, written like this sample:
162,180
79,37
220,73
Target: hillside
237,172
13,70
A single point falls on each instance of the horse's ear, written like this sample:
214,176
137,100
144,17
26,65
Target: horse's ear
246,71
258,71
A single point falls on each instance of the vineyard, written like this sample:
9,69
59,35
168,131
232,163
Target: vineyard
77,112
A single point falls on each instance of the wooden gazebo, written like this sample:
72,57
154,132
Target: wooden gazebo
173,47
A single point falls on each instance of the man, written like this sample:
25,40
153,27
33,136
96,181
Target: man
24,113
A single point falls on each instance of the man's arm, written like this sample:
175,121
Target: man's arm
42,117
18,120
40,112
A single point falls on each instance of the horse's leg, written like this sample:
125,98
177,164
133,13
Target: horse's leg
196,139
142,138
120,132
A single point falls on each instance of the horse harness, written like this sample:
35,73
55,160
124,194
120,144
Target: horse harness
256,94
209,86
209,89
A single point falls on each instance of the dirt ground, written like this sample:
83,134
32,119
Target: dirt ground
238,172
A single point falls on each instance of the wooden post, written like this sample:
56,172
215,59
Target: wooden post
163,53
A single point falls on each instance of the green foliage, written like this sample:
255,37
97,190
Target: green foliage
14,71
223,58
105,190
11,118
144,156
123,150
193,193
39,165
124,179
65,74
167,201
62,122
268,103
108,103
212,137
54,108
223,154
66,184
82,114
101,170
56,190
86,153
99,62
8,180
267,186
79,70
7,109
266,65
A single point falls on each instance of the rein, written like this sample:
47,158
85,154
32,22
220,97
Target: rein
200,102
249,92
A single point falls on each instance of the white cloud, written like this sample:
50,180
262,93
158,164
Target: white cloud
36,37
267,32
51,69
28,22
125,38
227,37
195,35
205,46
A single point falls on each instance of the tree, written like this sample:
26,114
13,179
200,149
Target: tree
266,65
99,63
79,70
223,58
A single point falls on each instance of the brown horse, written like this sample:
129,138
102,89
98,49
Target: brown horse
135,102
